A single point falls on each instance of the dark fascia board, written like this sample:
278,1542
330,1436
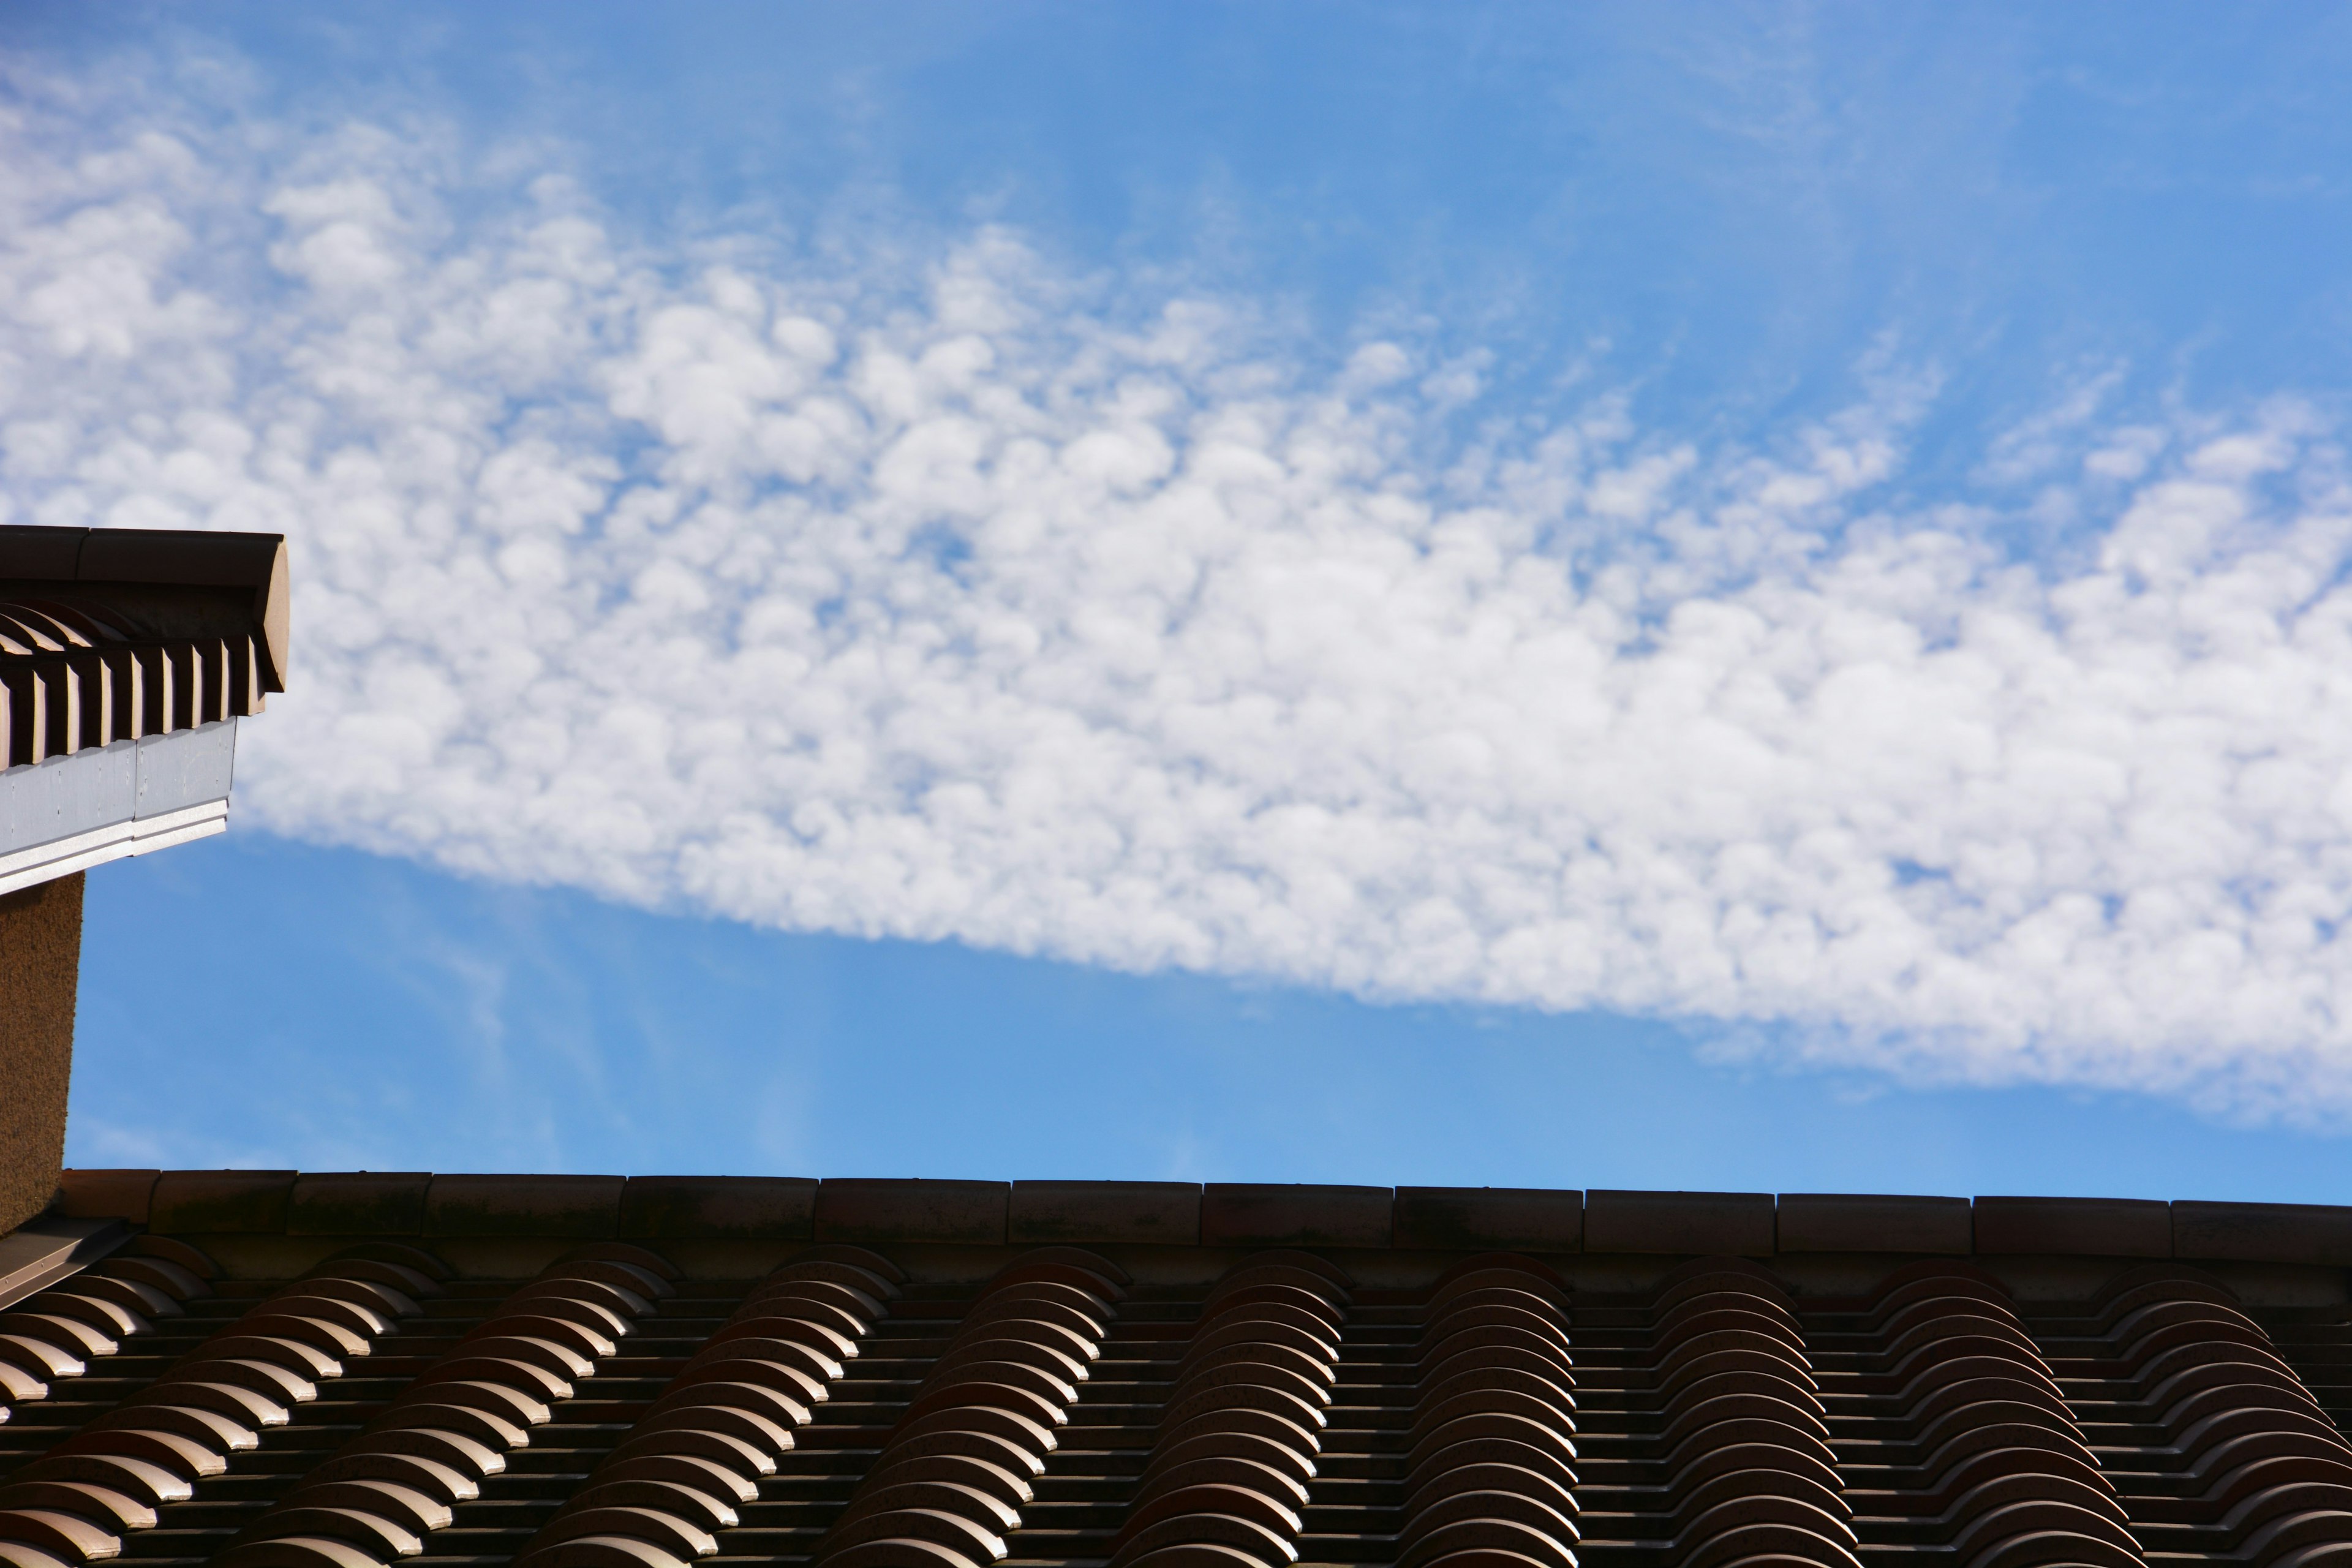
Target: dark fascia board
177,557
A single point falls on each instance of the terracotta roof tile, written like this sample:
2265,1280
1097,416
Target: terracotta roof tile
582,1207
762,1208
107,1195
2100,1227
112,634
358,1202
1524,1218
1733,1223
1162,1212
194,1203
2281,1232
1841,1222
340,1402
865,1209
1238,1214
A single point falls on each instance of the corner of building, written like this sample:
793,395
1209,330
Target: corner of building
40,964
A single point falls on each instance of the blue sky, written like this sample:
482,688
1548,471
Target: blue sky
397,1019
1705,596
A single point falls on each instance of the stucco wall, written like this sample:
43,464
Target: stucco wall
40,961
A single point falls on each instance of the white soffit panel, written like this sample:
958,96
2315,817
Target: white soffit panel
70,812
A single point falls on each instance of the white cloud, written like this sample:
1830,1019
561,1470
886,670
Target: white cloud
986,607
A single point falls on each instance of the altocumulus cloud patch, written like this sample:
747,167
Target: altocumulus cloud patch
967,605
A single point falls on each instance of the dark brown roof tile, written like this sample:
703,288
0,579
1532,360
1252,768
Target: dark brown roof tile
728,1208
174,1251
358,1202
1840,1222
584,1207
2102,1227
868,1209
1163,1212
1724,1409
109,1195
1248,1213
1735,1225
34,550
1528,1219
2273,1233
198,1202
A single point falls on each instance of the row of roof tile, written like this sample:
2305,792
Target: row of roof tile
1189,1214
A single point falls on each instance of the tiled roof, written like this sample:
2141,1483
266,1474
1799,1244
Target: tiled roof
111,635
346,1370
127,657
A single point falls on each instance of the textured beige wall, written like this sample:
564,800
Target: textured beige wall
40,964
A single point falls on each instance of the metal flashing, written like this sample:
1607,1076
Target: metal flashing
37,1256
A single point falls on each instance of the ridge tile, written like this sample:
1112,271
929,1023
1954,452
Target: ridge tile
889,1209
1842,1222
107,1195
2101,1227
1737,1225
585,1208
2271,1233
1512,1219
720,1208
358,1202
211,1202
1256,1213
1080,1211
